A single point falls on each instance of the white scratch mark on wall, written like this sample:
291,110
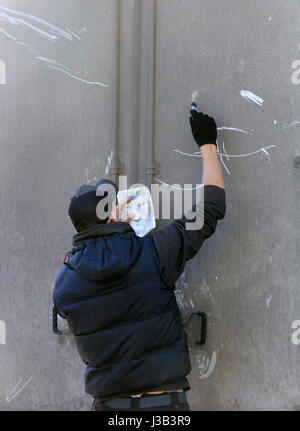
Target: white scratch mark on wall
4,16
48,60
76,77
2,332
197,154
73,34
109,160
82,30
2,72
248,95
181,292
87,175
228,155
19,21
205,289
205,365
22,44
268,301
292,124
236,129
227,170
33,50
266,152
7,34
13,395
225,151
17,42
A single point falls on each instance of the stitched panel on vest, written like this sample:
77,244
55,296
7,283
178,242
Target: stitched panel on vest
156,368
130,340
132,302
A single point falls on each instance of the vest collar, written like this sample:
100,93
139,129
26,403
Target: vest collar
101,230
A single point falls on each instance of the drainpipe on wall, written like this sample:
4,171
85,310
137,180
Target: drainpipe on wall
152,166
115,168
136,90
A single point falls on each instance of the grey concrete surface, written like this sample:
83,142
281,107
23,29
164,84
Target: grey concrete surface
56,133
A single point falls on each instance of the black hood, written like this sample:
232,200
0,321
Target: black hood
104,252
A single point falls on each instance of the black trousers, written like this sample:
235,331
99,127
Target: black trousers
173,401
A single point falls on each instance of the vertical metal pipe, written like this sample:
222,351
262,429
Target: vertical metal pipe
151,165
115,165
136,82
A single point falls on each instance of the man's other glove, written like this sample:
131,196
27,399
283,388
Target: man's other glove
204,128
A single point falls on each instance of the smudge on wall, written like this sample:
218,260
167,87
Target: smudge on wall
2,332
268,301
2,72
206,365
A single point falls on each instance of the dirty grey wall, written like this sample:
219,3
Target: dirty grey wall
60,126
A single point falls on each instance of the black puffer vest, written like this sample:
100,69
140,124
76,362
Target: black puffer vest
126,322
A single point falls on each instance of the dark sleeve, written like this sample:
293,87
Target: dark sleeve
174,245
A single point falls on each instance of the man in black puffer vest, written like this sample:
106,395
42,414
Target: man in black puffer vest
116,291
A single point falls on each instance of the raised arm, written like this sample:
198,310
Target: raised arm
175,244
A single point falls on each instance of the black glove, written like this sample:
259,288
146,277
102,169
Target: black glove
204,128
